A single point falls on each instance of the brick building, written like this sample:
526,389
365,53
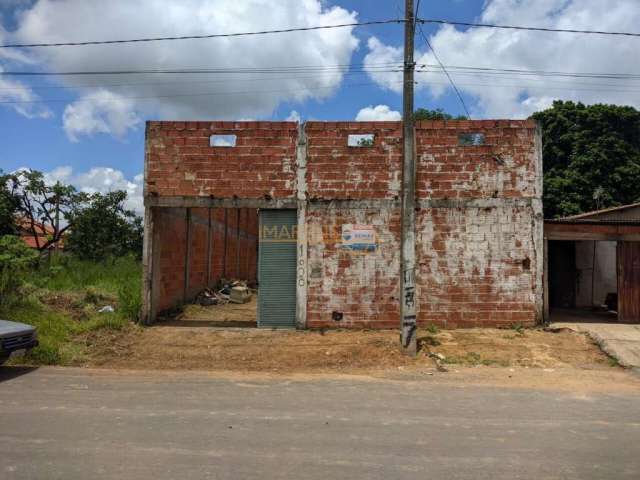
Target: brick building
213,191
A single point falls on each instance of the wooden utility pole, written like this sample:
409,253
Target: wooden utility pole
408,342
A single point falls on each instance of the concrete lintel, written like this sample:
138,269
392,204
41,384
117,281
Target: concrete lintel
475,202
575,236
206,202
373,204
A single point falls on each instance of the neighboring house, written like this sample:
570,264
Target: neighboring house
592,260
38,238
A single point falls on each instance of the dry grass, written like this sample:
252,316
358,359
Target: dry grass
246,350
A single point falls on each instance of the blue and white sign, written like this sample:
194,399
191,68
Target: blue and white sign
358,237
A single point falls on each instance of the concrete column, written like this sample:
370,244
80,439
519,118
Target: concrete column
147,315
301,262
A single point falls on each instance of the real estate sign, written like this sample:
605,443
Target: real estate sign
358,237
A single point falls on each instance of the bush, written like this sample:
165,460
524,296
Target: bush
15,261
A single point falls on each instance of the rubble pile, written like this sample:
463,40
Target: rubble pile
227,291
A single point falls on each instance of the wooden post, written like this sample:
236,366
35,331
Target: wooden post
408,325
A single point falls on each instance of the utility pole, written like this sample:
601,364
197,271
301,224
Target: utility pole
408,341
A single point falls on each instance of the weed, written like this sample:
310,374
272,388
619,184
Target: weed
518,328
61,298
130,300
433,329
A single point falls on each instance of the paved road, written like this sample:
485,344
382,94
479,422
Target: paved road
74,424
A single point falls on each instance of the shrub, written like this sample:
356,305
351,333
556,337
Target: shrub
15,261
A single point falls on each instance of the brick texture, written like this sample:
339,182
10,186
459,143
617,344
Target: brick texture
171,226
180,161
476,222
338,171
362,287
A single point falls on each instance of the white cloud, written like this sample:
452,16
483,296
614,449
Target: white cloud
14,91
102,180
516,95
294,116
377,113
99,112
191,96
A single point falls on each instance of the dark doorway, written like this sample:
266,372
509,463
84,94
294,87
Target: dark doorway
562,274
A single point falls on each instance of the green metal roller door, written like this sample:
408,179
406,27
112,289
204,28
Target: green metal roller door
277,269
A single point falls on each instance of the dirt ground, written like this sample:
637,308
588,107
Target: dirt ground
169,347
228,315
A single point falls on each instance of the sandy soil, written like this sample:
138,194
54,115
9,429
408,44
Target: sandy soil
252,350
228,315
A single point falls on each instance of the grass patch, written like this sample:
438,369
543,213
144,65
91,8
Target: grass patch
62,298
473,359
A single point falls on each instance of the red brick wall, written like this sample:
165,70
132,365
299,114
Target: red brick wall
503,167
476,265
171,239
198,257
180,161
217,247
477,261
363,287
337,171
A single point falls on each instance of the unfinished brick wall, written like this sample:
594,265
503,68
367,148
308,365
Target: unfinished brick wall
362,287
183,266
476,266
503,167
180,161
478,262
170,238
338,171
478,229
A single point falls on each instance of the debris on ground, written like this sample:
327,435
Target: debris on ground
240,294
106,309
209,297
234,291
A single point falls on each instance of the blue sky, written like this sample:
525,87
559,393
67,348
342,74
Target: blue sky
102,128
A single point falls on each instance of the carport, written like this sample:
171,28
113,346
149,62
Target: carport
591,261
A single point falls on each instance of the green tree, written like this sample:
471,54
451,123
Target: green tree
591,157
437,114
105,228
8,205
41,203
15,261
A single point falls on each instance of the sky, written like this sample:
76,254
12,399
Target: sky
89,130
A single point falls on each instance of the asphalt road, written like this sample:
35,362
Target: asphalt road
75,424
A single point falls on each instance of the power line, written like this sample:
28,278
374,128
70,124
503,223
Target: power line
194,37
466,70
202,94
464,105
190,82
213,70
535,29
343,69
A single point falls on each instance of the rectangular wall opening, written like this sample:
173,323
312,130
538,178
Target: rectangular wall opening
207,266
583,281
